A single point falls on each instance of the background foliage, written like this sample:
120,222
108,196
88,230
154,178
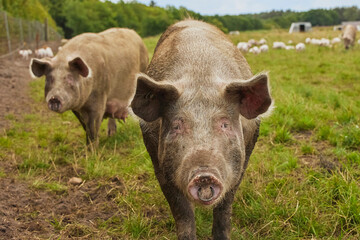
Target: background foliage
77,16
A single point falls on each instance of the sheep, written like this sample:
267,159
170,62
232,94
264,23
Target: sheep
25,53
49,52
262,41
335,40
307,40
253,42
40,53
44,52
243,46
279,45
315,41
324,42
289,47
255,50
300,47
349,36
264,48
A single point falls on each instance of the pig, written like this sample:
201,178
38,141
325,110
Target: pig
199,107
94,75
349,35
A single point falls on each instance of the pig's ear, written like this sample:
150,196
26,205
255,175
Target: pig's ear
78,65
253,96
39,67
151,97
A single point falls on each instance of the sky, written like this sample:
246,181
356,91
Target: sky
235,7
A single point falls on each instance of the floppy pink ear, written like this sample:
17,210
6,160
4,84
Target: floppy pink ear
39,67
151,97
253,96
79,65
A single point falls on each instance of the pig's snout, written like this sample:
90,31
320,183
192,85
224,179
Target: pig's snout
205,188
55,104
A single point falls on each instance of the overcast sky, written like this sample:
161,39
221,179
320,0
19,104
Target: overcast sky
234,7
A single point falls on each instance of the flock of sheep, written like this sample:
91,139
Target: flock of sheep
40,53
252,46
257,47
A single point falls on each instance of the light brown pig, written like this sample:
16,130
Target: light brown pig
200,106
94,76
349,35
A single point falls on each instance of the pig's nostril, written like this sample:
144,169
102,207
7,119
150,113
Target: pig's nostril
54,104
205,188
206,193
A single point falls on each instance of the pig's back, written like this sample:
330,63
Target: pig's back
114,56
112,42
197,48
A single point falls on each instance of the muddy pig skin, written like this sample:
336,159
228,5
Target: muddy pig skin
94,75
200,109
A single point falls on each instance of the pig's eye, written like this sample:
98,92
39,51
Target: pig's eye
224,124
177,126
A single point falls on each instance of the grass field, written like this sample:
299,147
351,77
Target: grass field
303,179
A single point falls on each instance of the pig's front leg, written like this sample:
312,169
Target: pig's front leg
182,211
92,121
77,114
222,218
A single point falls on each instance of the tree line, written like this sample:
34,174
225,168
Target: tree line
73,17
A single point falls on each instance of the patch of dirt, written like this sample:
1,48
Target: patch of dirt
27,212
14,90
320,158
14,81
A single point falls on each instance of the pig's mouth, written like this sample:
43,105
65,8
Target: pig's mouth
205,188
55,104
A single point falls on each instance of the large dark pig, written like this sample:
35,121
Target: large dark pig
199,106
94,75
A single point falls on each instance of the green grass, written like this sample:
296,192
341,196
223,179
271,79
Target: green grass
288,192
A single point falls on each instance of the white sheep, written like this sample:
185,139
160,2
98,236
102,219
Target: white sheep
255,50
49,52
324,42
25,53
264,48
243,46
335,40
289,47
315,41
44,52
262,41
300,47
253,42
307,40
279,45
